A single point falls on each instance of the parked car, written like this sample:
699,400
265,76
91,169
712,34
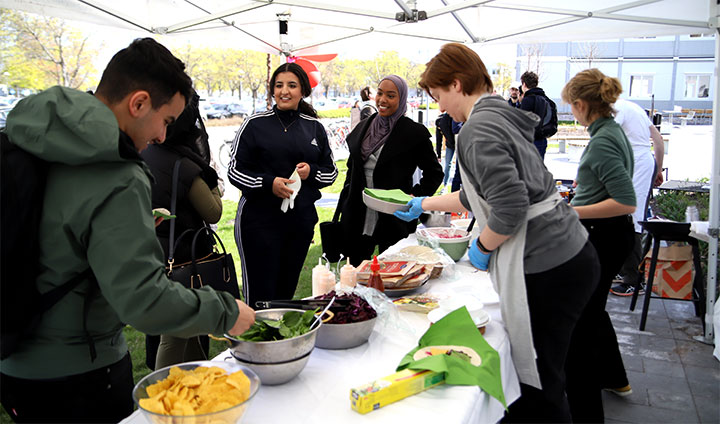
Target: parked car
236,109
218,111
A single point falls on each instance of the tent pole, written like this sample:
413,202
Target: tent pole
714,204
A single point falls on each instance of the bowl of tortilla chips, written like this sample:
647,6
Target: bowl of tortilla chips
197,392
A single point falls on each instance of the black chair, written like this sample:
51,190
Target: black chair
669,231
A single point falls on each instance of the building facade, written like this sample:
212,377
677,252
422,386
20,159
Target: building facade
667,72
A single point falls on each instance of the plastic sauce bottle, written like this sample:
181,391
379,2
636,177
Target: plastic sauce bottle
563,190
320,279
375,280
328,282
348,275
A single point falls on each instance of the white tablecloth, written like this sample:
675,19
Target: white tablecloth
321,393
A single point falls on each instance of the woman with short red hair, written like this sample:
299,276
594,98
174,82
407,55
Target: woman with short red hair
531,241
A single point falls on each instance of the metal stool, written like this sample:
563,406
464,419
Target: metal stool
669,231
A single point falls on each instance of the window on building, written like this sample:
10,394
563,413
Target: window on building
697,86
641,85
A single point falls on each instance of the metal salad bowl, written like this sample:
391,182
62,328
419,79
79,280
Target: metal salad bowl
277,373
272,352
344,336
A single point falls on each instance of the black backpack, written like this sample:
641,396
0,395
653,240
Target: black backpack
22,188
549,124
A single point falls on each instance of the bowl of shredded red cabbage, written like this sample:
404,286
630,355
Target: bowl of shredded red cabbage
348,328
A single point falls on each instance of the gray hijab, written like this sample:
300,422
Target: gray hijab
381,126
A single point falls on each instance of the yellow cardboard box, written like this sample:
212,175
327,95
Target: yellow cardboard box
392,388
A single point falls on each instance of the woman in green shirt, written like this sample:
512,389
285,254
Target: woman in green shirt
604,199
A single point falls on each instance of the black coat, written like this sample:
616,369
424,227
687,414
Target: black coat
407,148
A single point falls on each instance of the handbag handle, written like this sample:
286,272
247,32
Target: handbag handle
338,208
226,273
173,206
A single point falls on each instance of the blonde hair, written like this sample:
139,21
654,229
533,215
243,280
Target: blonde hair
598,90
456,61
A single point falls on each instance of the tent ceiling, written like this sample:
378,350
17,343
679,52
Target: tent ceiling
372,23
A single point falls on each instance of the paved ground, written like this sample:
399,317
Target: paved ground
675,379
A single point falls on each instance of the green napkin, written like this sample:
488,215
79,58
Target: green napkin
458,329
395,195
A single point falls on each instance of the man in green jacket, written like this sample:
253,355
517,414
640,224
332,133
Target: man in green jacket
97,214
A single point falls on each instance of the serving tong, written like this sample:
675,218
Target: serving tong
305,304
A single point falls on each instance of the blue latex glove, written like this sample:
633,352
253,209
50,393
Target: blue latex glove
414,212
477,258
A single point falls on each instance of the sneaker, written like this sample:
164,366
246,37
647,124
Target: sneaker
623,289
622,391
618,279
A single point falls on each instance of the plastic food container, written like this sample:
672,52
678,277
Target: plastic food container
454,241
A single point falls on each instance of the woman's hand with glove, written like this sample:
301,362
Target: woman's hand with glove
414,212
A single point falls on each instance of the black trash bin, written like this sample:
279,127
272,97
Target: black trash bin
657,120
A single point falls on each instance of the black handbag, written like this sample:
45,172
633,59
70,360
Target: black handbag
216,270
331,234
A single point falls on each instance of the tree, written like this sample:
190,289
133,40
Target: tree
205,73
62,54
502,78
534,54
191,57
354,75
385,63
331,75
412,76
589,50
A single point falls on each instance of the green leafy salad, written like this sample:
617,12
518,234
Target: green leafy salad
292,324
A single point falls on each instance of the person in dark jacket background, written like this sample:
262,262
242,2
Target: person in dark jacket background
447,128
198,202
385,151
533,100
267,150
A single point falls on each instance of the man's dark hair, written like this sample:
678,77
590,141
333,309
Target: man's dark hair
145,65
365,94
530,79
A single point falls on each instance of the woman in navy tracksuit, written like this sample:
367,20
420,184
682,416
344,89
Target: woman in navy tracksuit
267,149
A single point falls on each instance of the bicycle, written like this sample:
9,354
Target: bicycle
225,153
337,132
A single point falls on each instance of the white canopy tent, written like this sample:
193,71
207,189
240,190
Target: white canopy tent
411,25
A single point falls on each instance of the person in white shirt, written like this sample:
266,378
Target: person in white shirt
648,172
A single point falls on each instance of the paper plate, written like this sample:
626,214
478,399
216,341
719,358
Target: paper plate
480,317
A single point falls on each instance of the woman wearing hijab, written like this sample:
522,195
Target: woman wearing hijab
198,203
385,151
280,161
